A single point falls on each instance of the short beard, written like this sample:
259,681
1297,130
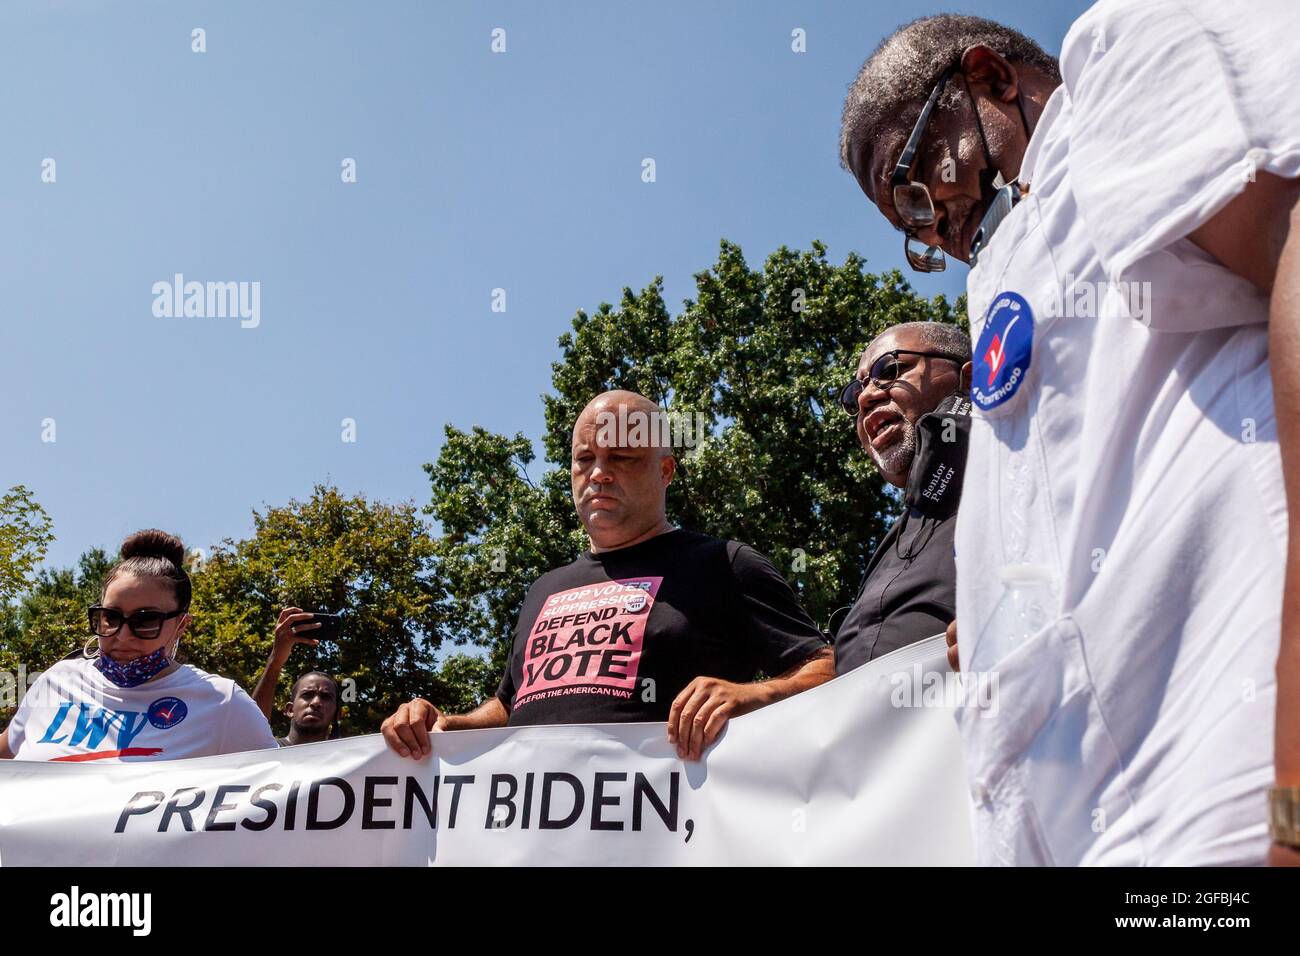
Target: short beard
897,458
304,731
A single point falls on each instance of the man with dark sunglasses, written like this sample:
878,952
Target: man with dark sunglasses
908,395
1128,552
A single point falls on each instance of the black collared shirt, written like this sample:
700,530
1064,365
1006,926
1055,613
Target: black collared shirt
909,592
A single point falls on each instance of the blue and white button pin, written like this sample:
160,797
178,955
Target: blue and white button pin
1002,354
167,712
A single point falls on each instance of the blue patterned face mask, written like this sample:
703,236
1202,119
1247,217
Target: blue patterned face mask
136,672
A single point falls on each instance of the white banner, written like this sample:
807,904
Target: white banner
857,771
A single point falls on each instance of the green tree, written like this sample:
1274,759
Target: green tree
368,561
758,354
499,531
48,622
24,536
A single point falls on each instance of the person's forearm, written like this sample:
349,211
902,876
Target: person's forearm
5,752
491,713
817,669
1284,360
264,692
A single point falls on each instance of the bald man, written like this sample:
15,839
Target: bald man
652,623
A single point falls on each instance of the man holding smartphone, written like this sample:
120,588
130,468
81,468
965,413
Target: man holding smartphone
314,701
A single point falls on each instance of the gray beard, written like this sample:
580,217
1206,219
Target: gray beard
897,458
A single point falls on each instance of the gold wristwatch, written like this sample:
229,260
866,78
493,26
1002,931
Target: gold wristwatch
1284,815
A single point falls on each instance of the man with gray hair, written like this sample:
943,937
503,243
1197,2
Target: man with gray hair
909,408
967,154
1131,215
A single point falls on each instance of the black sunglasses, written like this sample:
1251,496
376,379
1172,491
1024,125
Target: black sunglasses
107,621
884,371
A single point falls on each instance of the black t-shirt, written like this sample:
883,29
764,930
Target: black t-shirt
909,592
616,636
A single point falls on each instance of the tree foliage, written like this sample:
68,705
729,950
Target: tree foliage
368,561
47,623
24,535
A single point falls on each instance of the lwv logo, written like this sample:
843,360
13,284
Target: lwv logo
102,909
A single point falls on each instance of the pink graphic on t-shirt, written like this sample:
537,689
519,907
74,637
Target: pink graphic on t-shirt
588,640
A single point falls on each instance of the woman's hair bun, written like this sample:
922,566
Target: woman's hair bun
152,543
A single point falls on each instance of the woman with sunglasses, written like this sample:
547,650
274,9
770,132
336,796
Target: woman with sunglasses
127,697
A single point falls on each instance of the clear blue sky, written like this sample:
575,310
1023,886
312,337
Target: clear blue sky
475,171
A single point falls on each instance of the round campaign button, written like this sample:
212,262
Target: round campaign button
167,712
1002,354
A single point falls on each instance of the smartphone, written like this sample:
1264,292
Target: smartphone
328,630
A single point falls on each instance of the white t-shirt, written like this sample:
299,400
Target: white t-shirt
74,713
1128,445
